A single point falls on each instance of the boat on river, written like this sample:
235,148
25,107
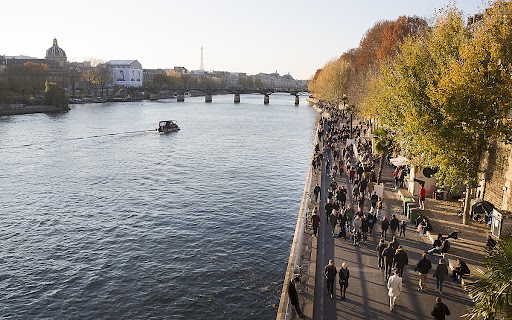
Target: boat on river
168,126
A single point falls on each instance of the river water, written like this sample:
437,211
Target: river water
102,218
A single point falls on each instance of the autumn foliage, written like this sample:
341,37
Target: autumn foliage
378,45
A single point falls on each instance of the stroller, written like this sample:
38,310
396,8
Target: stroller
356,237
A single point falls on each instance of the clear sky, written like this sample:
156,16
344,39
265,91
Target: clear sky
290,36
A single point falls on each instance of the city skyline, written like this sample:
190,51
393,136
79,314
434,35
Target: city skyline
285,36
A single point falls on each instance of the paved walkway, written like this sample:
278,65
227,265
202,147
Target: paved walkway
367,294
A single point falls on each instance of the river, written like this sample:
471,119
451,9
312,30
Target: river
103,218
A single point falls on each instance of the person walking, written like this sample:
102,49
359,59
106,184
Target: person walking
379,208
384,226
401,260
343,276
351,174
423,195
355,193
370,188
330,274
380,248
394,243
371,221
440,310
423,267
393,225
440,274
333,220
364,227
342,196
374,199
328,209
343,223
294,296
315,220
317,191
403,225
389,256
394,289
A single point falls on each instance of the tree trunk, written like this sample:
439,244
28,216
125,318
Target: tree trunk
467,205
381,166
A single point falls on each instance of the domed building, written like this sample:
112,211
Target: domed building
56,53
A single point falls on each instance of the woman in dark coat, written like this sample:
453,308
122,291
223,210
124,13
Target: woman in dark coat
343,279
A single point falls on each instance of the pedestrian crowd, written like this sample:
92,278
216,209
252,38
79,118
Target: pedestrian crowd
345,151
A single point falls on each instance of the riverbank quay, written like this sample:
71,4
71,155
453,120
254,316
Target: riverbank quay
367,293
303,246
18,109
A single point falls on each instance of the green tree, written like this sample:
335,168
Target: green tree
492,292
445,97
55,96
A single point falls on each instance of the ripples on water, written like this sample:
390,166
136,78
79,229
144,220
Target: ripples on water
103,220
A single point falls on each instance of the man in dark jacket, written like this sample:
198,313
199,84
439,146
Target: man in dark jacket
394,243
380,248
423,267
389,256
371,221
461,270
342,196
330,274
315,219
401,260
317,191
294,296
393,225
328,209
440,310
384,226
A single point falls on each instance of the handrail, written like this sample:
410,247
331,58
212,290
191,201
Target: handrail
283,312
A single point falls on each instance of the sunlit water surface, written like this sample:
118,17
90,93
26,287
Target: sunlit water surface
102,218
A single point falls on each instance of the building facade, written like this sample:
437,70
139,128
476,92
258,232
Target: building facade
126,73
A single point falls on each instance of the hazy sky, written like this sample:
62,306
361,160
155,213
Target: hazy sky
290,36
